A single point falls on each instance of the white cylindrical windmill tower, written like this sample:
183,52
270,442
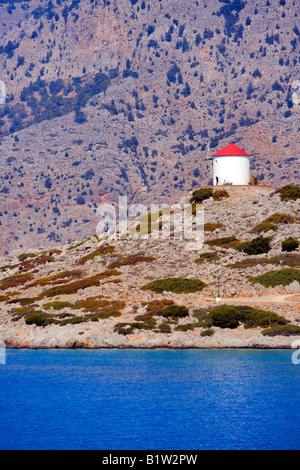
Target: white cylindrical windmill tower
231,165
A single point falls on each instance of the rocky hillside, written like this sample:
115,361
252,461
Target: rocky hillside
146,291
122,97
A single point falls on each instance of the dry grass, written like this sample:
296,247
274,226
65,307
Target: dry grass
73,287
271,222
4,298
220,194
225,242
15,281
59,278
58,305
288,259
96,304
32,263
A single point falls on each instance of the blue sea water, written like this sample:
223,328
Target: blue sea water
149,399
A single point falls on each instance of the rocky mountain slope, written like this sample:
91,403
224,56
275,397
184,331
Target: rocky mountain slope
142,290
122,97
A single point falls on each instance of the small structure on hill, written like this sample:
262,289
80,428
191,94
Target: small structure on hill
231,166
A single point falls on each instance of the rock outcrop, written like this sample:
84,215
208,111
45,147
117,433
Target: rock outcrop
91,294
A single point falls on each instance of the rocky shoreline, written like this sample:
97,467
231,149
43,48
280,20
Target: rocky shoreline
100,335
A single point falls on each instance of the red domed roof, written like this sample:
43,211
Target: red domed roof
231,150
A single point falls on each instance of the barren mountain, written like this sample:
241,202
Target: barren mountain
122,97
148,290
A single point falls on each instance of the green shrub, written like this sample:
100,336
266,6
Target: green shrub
277,277
72,321
253,317
208,256
287,330
177,285
156,307
175,311
20,312
73,287
128,328
21,300
264,227
229,316
257,246
165,328
188,326
103,315
15,281
4,268
199,195
289,192
271,222
289,244
59,305
204,317
208,332
225,316
278,218
146,318
39,319
130,260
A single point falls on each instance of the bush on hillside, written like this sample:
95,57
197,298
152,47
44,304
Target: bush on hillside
230,316
207,332
175,311
278,218
199,195
208,256
285,330
156,307
39,319
220,194
277,277
289,192
264,227
257,246
253,317
177,285
225,316
224,242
